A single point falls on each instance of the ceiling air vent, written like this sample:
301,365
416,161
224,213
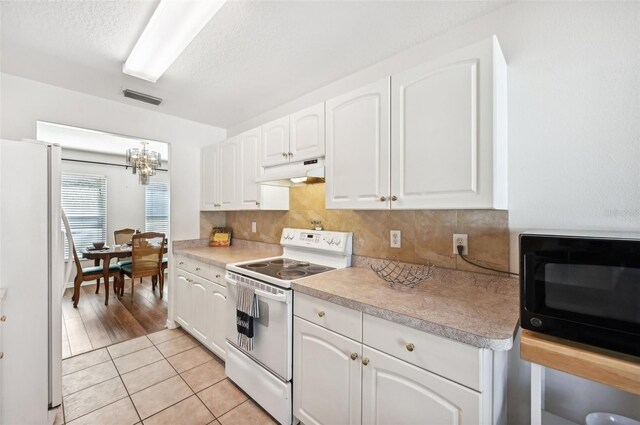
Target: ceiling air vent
142,97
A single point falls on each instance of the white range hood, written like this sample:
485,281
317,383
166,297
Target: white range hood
281,175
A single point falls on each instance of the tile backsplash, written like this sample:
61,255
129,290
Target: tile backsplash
427,235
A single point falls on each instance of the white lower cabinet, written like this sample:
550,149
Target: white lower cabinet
183,299
327,376
200,322
340,379
396,392
200,303
217,299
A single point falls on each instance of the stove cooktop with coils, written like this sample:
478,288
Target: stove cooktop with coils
285,268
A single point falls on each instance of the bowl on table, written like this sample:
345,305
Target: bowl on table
98,245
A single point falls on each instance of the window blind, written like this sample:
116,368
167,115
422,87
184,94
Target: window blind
84,200
156,208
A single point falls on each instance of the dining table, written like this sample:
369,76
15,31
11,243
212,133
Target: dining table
105,255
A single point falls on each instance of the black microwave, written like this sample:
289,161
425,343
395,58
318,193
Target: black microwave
584,288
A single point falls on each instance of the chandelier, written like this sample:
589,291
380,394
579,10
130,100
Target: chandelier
143,162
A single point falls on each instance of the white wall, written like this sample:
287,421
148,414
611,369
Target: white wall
574,139
25,101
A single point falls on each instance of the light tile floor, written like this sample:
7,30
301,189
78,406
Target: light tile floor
163,378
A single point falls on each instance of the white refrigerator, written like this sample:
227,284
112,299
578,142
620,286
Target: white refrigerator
32,273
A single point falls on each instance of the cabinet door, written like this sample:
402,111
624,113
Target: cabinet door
229,187
326,380
275,142
210,173
307,133
357,162
442,143
395,392
217,300
183,299
249,154
200,321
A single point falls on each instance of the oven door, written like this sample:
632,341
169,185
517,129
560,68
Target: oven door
272,340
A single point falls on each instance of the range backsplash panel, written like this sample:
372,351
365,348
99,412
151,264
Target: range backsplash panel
427,235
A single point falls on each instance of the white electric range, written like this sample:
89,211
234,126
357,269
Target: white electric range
265,373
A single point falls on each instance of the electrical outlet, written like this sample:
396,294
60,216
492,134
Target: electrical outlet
461,239
253,226
396,239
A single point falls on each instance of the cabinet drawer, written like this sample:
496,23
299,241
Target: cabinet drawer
217,276
453,360
184,263
200,268
337,318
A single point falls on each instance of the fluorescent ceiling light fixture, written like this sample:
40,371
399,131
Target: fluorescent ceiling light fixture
174,24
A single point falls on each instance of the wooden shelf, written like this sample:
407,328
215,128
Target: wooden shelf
617,370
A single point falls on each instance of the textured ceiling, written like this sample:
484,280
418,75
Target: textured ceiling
251,57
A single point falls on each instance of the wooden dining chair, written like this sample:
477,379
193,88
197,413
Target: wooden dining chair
87,274
120,237
147,250
123,236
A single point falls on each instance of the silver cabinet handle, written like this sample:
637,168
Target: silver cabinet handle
290,154
197,269
181,262
257,203
394,198
217,276
354,356
365,361
321,314
3,318
284,154
1,355
382,199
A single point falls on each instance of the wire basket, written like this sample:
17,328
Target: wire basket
394,272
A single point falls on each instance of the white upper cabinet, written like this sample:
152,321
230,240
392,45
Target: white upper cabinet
210,184
229,171
229,175
357,160
447,147
448,131
247,164
307,134
294,138
275,142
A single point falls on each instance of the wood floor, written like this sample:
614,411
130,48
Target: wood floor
94,325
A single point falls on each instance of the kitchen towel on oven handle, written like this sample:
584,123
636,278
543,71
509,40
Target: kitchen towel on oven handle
246,311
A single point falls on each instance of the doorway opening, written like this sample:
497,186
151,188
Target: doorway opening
102,196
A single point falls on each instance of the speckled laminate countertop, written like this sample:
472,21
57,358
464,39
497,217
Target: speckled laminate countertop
220,257
473,308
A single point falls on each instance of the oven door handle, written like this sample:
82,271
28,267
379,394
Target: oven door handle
283,298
